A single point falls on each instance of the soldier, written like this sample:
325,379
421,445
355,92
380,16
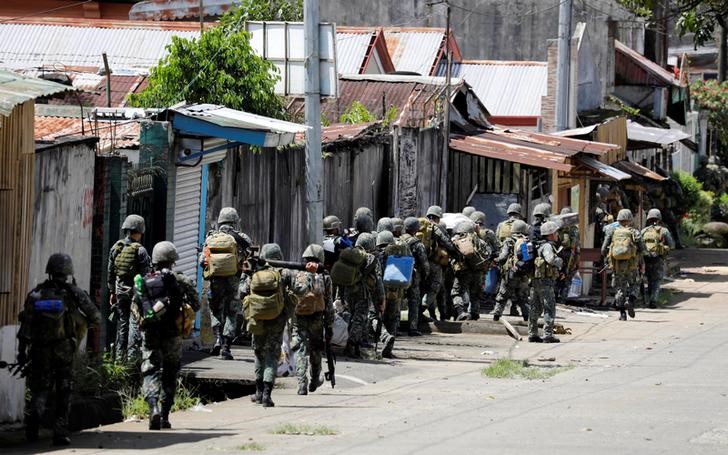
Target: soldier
547,265
658,242
623,248
490,242
468,210
441,250
127,259
516,271
354,292
363,222
541,213
476,257
372,276
384,224
313,313
334,241
503,231
162,295
268,305
222,257
53,322
420,275
570,252
397,227
393,296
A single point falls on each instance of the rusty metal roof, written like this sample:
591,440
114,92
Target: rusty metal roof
492,147
341,132
565,145
132,48
634,68
638,170
95,96
16,89
112,134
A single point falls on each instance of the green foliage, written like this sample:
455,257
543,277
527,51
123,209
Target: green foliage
723,204
391,115
622,106
699,202
510,369
713,97
357,113
219,67
691,187
94,378
133,403
185,397
304,429
699,17
265,10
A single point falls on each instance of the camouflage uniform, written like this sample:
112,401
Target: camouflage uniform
128,337
436,279
373,273
542,291
50,371
570,252
492,248
308,332
503,226
467,289
420,275
655,264
392,302
223,294
626,277
512,287
357,301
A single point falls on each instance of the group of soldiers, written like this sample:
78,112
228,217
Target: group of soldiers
365,275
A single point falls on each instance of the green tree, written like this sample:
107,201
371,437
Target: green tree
712,96
220,67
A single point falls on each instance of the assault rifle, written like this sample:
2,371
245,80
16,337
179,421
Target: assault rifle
254,262
15,368
330,357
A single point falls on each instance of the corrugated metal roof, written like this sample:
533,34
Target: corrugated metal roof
121,88
604,169
492,147
506,88
40,45
351,50
112,134
660,136
340,132
565,145
170,10
16,89
634,68
414,50
638,170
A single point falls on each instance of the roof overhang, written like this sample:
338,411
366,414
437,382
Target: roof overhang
16,89
491,147
651,135
603,169
209,120
638,170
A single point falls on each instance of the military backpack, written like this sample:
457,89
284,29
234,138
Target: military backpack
504,229
160,302
312,300
524,257
347,270
221,255
654,246
473,250
425,234
623,246
53,314
265,301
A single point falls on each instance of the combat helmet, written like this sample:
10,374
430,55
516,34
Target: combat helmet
363,222
385,224
59,264
515,209
133,223
271,251
385,238
519,227
654,214
478,217
314,251
366,241
624,215
228,215
467,211
543,209
465,227
566,210
434,210
332,222
164,252
549,227
397,225
411,224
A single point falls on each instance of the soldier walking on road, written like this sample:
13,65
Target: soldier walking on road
541,213
516,259
658,242
503,231
168,301
393,296
476,257
570,252
222,257
127,259
419,276
441,250
547,265
624,249
313,313
54,320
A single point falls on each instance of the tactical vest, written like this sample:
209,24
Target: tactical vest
126,262
425,234
544,270
53,312
504,229
313,298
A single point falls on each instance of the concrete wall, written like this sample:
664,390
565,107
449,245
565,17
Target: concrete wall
11,388
63,208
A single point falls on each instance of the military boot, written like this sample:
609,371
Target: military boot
257,397
166,407
551,339
630,307
225,352
622,315
496,317
514,310
388,346
302,388
535,339
267,389
154,415
315,383
351,350
215,351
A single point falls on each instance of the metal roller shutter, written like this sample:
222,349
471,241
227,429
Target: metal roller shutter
187,218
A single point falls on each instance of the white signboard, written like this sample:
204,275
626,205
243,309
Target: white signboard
282,44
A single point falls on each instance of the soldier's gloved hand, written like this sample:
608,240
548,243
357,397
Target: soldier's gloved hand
312,267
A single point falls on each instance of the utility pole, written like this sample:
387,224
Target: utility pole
202,17
562,66
314,160
108,82
446,108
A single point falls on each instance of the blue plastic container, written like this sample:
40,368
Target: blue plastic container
491,281
48,306
398,271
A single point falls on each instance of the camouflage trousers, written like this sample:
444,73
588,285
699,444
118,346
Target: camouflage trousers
414,301
626,284
465,293
392,308
267,348
542,301
357,300
225,306
654,272
160,367
50,370
435,286
374,321
308,344
128,336
514,289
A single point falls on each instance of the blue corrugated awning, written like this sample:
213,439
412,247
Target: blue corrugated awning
209,120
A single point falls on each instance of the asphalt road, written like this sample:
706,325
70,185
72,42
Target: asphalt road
655,384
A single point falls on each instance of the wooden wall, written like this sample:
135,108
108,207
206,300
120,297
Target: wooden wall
489,175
